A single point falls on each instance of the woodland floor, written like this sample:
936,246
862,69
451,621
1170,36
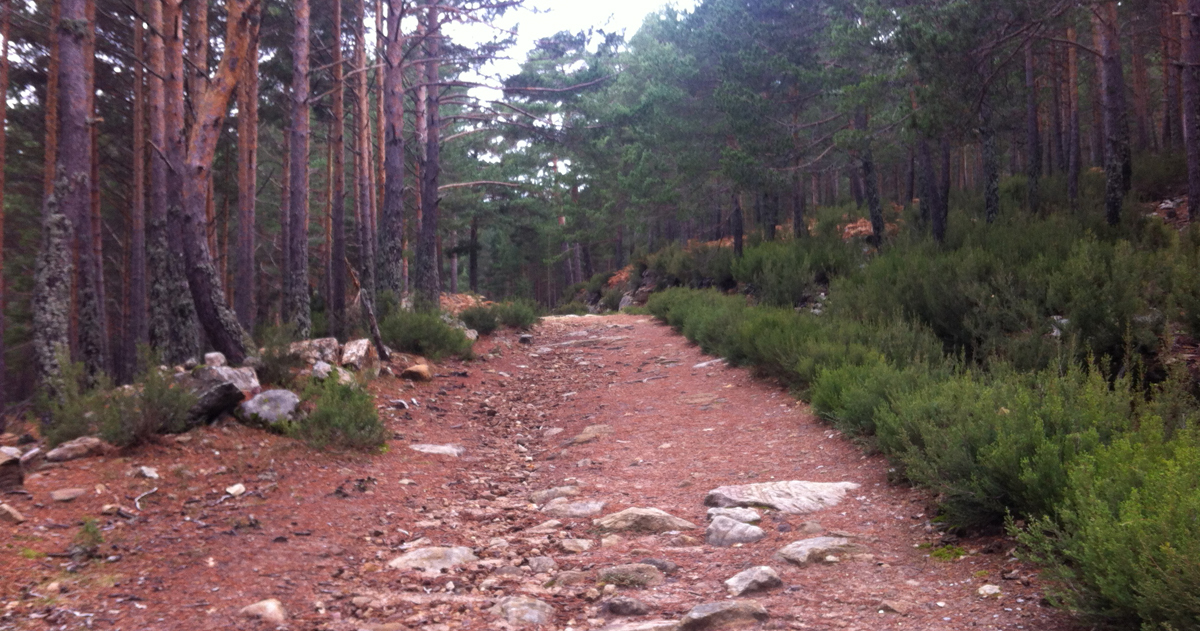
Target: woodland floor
316,530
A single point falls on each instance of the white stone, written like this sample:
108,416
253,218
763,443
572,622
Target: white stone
270,610
989,591
812,550
794,497
744,515
650,520
150,473
564,508
524,611
214,360
725,532
752,580
433,560
439,450
237,490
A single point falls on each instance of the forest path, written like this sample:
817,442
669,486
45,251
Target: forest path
319,534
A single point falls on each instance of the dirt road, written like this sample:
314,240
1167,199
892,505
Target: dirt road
615,410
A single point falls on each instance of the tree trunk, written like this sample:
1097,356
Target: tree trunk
1190,31
285,230
428,279
1141,95
1170,73
5,23
50,146
991,163
1033,143
391,237
379,185
299,306
245,291
363,165
944,183
219,321
137,331
738,225
930,204
1116,153
473,262
799,228
1058,155
1073,139
870,183
337,213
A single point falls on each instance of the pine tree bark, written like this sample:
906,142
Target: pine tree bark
137,327
1170,72
337,211
738,225
285,231
245,291
362,163
428,281
5,28
1033,143
1141,96
1190,31
50,102
799,227
1074,148
930,203
1117,172
991,162
1057,146
870,183
473,262
299,305
391,237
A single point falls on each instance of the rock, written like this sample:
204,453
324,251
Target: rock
82,447
523,611
245,379
214,360
544,528
632,575
564,508
989,591
325,349
591,433
269,610
648,520
10,451
815,549
433,560
12,476
753,580
33,459
236,490
150,473
361,356
440,450
723,615
471,334
10,515
322,370
626,302
744,515
725,532
789,497
646,625
626,606
572,577
667,567
525,338
610,541
575,546
66,495
895,606
541,497
275,410
542,565
218,390
417,372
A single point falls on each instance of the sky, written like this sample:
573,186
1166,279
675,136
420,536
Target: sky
543,18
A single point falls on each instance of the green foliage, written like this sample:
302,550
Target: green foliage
789,273
850,397
611,300
481,318
948,553
518,314
1124,544
571,308
78,410
423,333
153,405
343,417
277,363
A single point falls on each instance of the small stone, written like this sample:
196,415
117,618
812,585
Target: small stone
648,520
724,532
645,625
753,580
10,515
667,567
542,497
591,433
321,370
744,515
544,528
610,541
523,611
564,508
150,473
433,560
542,565
66,495
237,490
361,356
453,451
81,447
722,615
572,577
632,575
525,339
214,360
575,546
989,591
417,372
626,606
683,541
811,550
895,606
270,610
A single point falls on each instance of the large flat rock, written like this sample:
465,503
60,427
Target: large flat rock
794,497
433,560
650,520
815,549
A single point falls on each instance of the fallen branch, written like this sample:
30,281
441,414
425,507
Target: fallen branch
137,503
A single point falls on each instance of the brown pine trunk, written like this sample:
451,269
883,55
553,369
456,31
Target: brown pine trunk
337,213
1058,154
380,183
1073,140
1141,97
50,146
285,231
137,331
327,225
1190,31
1170,73
391,237
244,285
299,307
1116,130
799,228
739,225
428,280
5,22
1033,143
363,163
870,184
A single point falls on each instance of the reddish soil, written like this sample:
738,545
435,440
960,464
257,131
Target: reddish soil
316,530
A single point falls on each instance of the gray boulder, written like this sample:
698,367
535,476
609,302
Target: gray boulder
632,575
326,349
563,508
82,447
722,615
274,409
433,560
753,580
12,476
789,497
725,532
522,611
648,520
815,549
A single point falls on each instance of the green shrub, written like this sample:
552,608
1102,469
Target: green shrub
998,444
849,397
423,333
153,405
78,410
518,314
480,318
571,308
612,299
1124,544
277,363
343,416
